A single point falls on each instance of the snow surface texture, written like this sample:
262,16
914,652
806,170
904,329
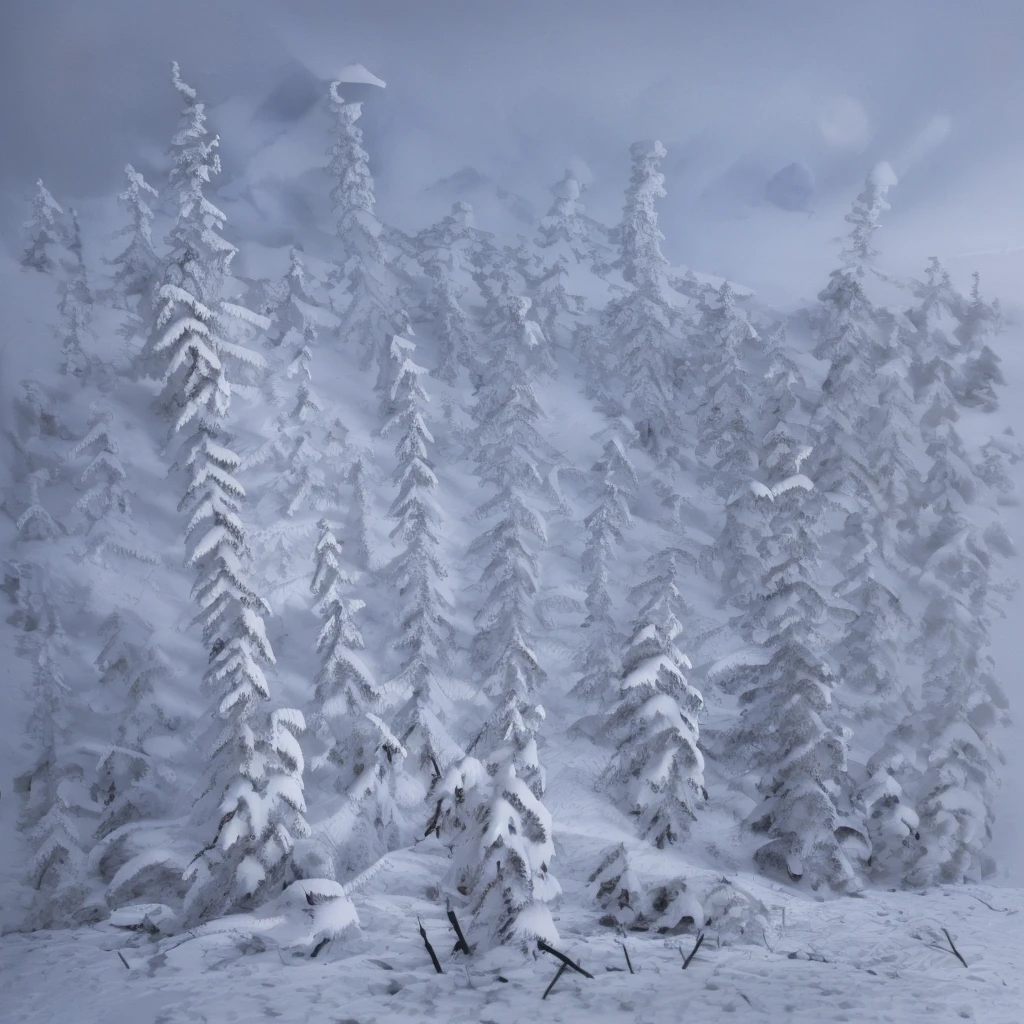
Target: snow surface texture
511,569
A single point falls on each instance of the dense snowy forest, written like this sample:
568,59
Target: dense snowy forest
535,553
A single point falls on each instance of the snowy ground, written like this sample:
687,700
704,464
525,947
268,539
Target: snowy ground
885,959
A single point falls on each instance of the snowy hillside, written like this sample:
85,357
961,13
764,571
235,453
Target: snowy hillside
354,575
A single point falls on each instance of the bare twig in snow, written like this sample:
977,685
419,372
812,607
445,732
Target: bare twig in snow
544,947
127,968
430,948
956,952
558,974
628,962
693,952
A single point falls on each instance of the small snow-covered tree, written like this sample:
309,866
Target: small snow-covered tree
59,813
657,772
416,573
75,332
980,374
510,849
136,265
725,405
359,752
605,528
43,229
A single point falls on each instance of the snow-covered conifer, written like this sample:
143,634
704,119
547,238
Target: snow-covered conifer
359,752
605,527
367,305
980,374
891,820
787,733
75,332
43,229
639,333
136,265
416,573
508,450
657,772
254,772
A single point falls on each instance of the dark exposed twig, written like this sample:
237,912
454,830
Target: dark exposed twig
461,944
629,963
545,948
956,952
430,948
693,952
319,946
125,962
558,974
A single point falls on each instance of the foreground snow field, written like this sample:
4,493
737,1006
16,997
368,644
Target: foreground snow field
885,958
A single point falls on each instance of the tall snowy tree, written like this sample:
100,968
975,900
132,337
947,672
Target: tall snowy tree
367,303
253,785
640,332
508,453
416,573
787,734
44,228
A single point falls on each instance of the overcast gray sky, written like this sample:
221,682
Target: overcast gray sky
519,88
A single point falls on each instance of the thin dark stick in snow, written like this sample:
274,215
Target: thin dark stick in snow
956,952
430,948
558,974
319,946
693,952
628,962
125,962
462,944
545,948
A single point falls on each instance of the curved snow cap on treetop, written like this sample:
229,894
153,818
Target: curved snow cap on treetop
356,74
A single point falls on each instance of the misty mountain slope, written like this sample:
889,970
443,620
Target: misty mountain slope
371,572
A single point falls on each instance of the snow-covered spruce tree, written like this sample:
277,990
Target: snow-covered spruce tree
508,452
44,228
450,252
963,705
134,784
253,785
360,514
296,475
605,527
980,373
136,265
657,772
360,754
426,634
639,333
787,734
736,559
566,240
725,439
848,336
891,820
75,333
59,814
367,302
